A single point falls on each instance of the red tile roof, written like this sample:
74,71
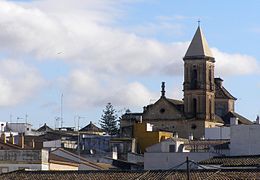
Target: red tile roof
210,174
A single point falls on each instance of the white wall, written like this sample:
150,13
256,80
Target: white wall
20,127
217,133
14,167
163,146
52,144
24,156
73,158
163,161
245,140
62,167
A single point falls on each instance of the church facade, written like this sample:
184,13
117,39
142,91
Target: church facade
206,103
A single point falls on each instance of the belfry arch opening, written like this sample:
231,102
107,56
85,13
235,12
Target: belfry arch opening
194,102
194,79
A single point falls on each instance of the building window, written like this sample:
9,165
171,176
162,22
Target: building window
195,107
210,80
162,110
193,126
210,109
194,79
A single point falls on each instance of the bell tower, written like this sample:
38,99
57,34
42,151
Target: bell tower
199,86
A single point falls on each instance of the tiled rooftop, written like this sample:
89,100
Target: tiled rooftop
130,175
233,161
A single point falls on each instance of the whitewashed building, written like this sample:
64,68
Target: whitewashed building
12,160
245,140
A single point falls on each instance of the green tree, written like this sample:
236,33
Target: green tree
108,121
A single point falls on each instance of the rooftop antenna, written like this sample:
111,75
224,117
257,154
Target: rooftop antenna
11,117
61,110
26,117
18,119
56,123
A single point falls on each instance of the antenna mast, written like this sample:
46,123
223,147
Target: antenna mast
61,110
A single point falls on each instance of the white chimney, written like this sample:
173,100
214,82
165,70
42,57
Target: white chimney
257,120
233,121
191,136
140,119
149,127
176,135
2,128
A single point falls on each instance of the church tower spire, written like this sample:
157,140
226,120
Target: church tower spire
198,86
198,47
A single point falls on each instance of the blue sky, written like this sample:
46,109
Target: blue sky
94,52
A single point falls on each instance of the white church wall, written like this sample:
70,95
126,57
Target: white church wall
217,133
164,161
245,140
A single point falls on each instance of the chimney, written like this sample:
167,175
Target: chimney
233,121
3,137
21,140
257,120
144,108
176,135
2,128
191,136
11,139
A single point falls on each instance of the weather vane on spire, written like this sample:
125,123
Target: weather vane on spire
199,22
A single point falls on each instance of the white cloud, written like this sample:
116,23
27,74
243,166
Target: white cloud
83,89
234,64
18,82
101,55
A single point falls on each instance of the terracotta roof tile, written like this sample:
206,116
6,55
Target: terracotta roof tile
233,161
211,174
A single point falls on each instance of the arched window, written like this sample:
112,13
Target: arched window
210,79
194,79
210,109
210,75
195,107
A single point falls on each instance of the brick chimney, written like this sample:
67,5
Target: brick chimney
21,140
11,139
3,137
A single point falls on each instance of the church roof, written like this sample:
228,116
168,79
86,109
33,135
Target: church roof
175,101
91,127
241,119
44,128
198,46
222,93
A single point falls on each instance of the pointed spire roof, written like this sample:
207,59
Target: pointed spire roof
198,46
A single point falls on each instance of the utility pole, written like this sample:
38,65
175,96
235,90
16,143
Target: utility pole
188,168
79,117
